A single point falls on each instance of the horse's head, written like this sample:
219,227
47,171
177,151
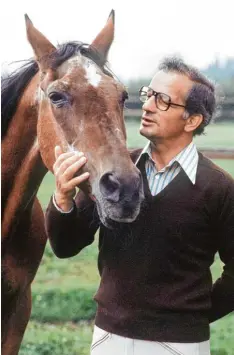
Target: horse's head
81,109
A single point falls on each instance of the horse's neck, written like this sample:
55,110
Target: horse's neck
22,167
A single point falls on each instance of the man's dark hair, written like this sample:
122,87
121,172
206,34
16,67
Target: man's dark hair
201,98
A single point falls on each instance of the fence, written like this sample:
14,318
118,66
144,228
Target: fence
133,109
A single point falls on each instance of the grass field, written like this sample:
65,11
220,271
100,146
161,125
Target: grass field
216,136
63,309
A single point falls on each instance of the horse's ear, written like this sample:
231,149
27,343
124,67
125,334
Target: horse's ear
42,47
105,38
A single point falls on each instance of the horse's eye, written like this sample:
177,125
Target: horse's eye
57,98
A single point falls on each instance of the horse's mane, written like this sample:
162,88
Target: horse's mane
14,84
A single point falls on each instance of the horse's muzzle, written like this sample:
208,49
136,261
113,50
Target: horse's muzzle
121,196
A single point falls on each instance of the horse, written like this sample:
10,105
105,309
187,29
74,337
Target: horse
66,96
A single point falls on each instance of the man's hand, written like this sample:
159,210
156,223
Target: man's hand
65,167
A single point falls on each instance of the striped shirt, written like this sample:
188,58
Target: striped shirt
187,160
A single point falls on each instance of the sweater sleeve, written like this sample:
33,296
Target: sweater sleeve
222,296
69,233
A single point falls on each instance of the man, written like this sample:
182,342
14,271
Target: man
156,294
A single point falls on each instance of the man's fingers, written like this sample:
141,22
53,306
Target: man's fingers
65,168
70,171
57,151
70,166
63,157
75,182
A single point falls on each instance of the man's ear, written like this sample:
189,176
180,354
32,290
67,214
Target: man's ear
193,122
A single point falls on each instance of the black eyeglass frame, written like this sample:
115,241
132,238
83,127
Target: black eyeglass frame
155,94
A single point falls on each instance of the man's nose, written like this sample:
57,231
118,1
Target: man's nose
149,105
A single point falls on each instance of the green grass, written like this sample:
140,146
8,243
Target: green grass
216,136
222,342
59,339
227,165
71,304
63,289
53,269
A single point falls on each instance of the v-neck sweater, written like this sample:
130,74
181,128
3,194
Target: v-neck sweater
155,274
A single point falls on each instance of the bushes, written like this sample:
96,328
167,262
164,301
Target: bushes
56,305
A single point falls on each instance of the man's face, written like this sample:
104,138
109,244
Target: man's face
157,124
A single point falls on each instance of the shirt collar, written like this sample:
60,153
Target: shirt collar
187,159
144,151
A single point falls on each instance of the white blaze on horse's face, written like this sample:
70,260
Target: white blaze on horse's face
93,72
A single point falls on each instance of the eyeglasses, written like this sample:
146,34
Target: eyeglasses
162,101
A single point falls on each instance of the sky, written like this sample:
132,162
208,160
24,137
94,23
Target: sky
145,31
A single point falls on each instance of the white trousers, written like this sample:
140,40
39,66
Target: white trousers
105,343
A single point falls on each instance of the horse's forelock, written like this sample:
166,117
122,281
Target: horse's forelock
67,50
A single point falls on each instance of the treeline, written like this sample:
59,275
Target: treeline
221,72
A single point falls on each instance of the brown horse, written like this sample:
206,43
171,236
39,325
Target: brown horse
65,97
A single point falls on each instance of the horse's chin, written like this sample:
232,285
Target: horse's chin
112,222
109,223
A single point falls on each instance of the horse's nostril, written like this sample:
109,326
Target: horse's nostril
110,187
